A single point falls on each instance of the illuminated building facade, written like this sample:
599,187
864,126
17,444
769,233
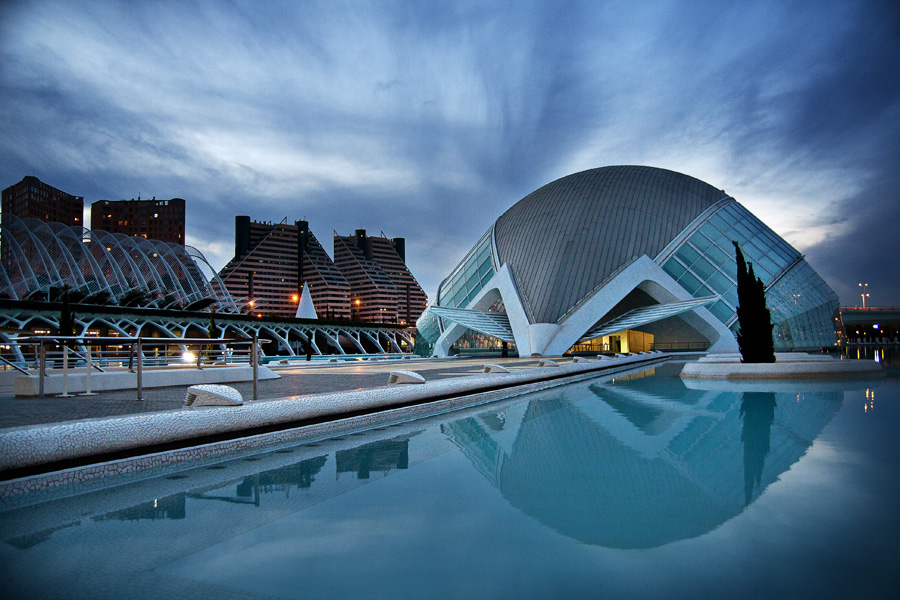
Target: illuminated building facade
150,219
33,199
382,288
271,263
605,253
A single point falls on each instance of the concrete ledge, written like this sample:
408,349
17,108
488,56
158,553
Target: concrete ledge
23,447
787,366
152,378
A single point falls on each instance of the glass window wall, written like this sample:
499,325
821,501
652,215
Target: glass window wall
802,304
469,277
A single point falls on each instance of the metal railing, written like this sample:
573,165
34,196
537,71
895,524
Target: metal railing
102,353
10,365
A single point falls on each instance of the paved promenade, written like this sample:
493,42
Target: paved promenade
302,379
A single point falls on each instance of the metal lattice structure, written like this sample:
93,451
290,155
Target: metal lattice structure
288,338
40,258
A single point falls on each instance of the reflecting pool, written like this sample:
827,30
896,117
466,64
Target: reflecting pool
635,486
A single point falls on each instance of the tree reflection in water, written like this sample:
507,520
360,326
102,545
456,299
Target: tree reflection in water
758,414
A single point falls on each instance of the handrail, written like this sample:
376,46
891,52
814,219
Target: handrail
165,341
136,351
84,358
13,365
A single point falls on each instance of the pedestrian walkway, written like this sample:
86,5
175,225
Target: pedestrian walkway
296,380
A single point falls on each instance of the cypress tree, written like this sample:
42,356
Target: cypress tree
754,334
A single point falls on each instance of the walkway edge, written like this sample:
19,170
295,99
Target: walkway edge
34,446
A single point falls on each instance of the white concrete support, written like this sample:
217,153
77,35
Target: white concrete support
374,340
310,338
355,339
554,339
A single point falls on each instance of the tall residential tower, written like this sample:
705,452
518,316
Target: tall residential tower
32,198
381,286
271,263
150,219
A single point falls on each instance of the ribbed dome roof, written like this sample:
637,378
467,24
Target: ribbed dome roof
565,238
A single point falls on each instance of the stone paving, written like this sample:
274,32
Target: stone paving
296,380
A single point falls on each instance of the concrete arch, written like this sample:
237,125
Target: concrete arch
373,339
333,342
353,338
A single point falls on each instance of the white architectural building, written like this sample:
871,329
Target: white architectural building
625,249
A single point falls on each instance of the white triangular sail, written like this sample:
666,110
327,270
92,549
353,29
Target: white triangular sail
305,308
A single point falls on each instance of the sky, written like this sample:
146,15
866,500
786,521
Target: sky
427,120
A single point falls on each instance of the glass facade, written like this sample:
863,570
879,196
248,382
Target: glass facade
428,327
469,277
803,309
461,286
704,264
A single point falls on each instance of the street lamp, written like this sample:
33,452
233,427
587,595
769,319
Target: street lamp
864,293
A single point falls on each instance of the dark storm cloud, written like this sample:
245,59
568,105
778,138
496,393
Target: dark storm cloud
428,120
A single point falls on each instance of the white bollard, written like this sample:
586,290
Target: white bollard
87,374
65,391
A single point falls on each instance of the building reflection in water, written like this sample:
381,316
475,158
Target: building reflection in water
640,463
630,463
170,507
299,475
219,485
382,456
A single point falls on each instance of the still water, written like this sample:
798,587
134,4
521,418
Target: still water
636,486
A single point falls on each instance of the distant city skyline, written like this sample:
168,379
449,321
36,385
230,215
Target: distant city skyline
428,120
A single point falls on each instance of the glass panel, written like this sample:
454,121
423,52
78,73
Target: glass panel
703,268
703,291
743,231
687,254
716,256
719,222
770,265
473,281
731,296
689,282
722,311
710,231
673,268
719,283
700,241
730,269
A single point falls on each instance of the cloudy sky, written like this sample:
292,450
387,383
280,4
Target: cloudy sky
428,119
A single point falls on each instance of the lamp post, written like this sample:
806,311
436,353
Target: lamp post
864,287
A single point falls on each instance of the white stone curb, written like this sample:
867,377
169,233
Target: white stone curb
35,445
787,366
